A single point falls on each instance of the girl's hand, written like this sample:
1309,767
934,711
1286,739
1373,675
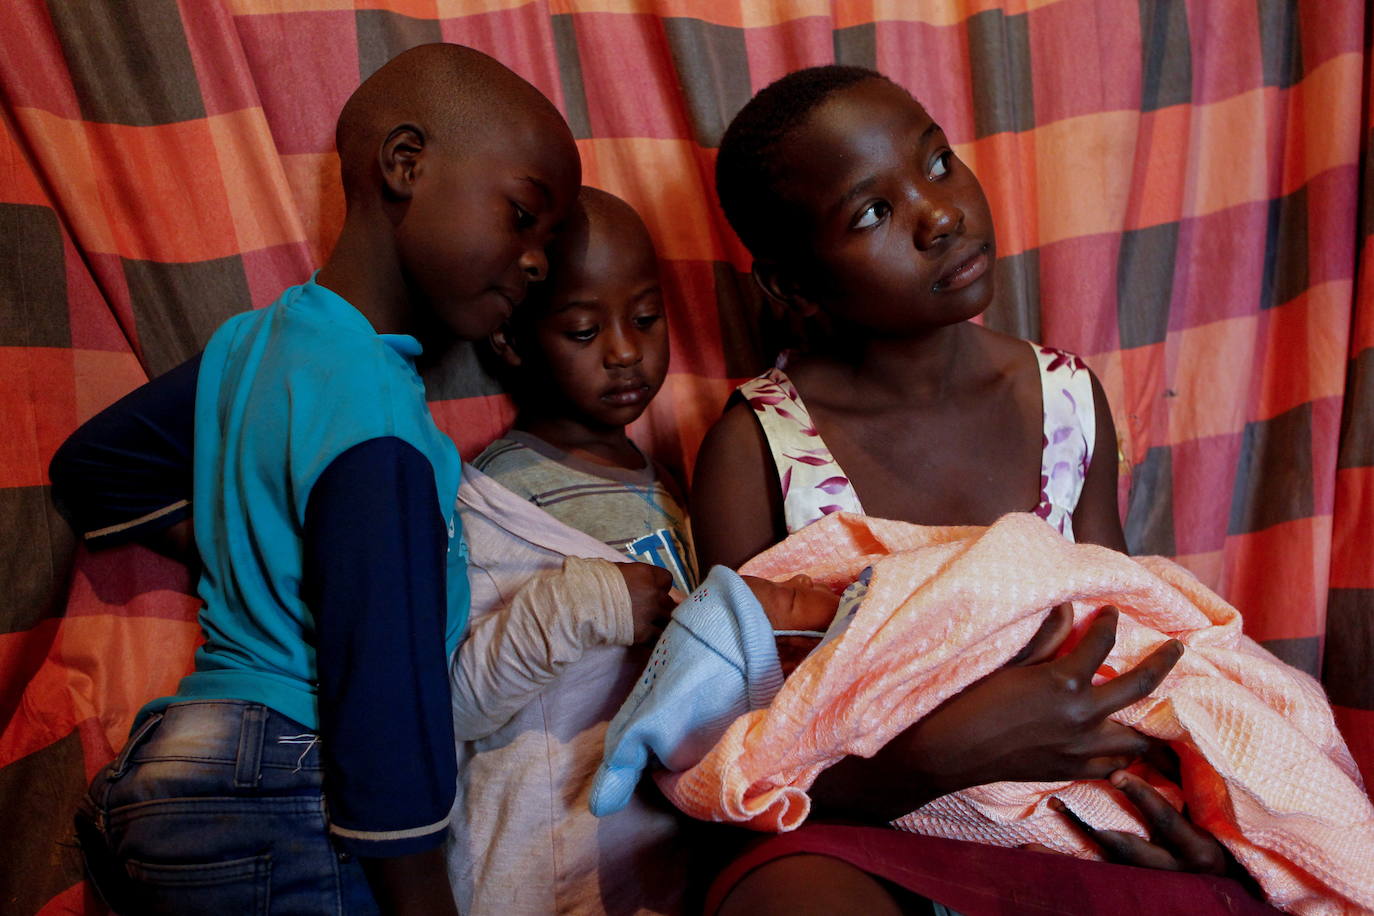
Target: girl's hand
1054,629
1040,722
1175,843
1026,722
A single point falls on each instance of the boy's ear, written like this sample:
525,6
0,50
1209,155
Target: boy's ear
399,159
783,288
502,342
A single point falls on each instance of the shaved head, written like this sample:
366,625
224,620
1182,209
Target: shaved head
600,228
604,206
456,174
604,214
596,326
455,96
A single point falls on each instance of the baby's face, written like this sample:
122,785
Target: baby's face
795,604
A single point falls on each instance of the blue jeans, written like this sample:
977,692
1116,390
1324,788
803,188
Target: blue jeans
216,806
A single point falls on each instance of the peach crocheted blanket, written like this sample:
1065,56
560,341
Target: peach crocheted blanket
1264,768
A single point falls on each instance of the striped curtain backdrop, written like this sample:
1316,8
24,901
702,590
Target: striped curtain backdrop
1180,191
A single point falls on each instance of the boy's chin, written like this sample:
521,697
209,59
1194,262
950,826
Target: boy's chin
618,417
609,413
435,334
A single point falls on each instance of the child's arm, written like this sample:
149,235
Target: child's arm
374,576
512,654
125,474
1096,519
736,507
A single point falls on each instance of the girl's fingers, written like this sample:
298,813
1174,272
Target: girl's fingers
1166,824
1123,848
1083,660
1129,849
1194,846
1137,683
1038,847
1111,747
1053,630
1175,843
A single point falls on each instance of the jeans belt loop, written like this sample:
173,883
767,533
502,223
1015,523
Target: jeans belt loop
248,768
121,763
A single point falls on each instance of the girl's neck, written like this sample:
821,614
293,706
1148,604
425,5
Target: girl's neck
608,446
917,369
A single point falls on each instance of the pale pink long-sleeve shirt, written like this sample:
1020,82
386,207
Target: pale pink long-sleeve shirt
545,666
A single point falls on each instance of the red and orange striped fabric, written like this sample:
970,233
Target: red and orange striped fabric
1178,194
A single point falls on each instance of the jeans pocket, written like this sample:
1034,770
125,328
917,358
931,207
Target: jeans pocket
241,887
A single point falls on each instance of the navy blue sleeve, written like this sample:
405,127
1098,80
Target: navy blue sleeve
374,576
126,473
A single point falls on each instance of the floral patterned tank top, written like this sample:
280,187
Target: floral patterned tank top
813,484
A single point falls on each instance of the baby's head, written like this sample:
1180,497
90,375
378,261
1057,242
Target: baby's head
799,611
853,205
796,604
720,656
591,344
462,170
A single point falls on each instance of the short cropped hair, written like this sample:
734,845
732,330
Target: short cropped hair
747,177
455,94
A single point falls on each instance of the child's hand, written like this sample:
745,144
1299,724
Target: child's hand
650,605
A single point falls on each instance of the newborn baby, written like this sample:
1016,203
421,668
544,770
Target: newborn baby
725,652
801,613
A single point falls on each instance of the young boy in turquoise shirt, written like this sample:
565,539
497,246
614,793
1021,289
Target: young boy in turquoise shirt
333,568
602,356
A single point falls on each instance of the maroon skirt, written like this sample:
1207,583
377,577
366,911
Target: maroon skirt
980,880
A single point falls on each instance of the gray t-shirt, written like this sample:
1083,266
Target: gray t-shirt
637,511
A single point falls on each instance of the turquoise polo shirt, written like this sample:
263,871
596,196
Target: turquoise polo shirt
282,392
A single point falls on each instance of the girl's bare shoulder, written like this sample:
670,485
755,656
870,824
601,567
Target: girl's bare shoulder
823,381
1013,357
